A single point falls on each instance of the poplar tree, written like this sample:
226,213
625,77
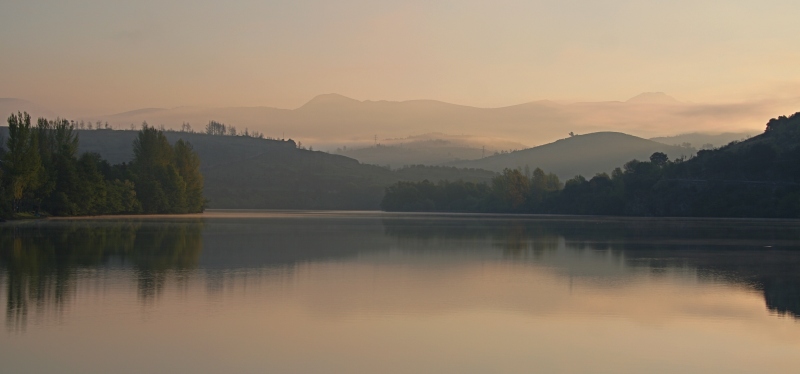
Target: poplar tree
188,164
21,162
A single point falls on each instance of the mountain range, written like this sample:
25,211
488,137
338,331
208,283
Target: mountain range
331,120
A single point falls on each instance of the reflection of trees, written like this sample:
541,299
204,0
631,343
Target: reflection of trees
41,259
175,247
515,238
761,254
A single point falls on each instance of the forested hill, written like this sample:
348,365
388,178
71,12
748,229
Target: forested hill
758,177
586,155
251,173
771,157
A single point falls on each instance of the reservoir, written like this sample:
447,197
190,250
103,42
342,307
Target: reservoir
372,292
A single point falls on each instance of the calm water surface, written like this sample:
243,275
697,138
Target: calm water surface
304,292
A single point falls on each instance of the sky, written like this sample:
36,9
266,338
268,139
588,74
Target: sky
108,56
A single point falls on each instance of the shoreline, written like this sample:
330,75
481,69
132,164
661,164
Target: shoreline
299,213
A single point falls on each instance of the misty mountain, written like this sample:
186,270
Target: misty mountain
250,173
428,149
332,120
653,98
704,141
584,155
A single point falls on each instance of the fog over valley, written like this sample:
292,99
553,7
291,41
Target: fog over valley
329,121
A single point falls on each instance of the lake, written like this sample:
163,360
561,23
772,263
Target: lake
368,292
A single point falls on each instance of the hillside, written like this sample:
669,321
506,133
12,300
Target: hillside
773,156
249,173
758,177
584,155
428,149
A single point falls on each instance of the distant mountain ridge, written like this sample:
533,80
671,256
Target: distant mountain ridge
332,120
653,98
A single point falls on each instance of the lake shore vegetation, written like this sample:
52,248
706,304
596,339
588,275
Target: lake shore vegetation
43,174
758,177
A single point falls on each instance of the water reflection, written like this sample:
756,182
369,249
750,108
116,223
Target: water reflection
41,260
763,254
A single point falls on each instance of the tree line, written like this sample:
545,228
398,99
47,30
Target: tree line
41,173
217,128
759,177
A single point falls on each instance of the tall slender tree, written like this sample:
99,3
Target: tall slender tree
188,164
22,162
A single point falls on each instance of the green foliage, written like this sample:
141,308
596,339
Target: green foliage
42,174
758,177
511,190
22,164
188,166
167,180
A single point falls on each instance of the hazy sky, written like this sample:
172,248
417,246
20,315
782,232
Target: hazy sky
105,56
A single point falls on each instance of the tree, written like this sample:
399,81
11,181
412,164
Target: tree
41,170
215,128
91,194
58,145
659,158
152,158
511,189
188,166
22,162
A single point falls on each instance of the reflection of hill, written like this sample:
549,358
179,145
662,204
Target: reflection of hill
761,254
40,261
254,243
